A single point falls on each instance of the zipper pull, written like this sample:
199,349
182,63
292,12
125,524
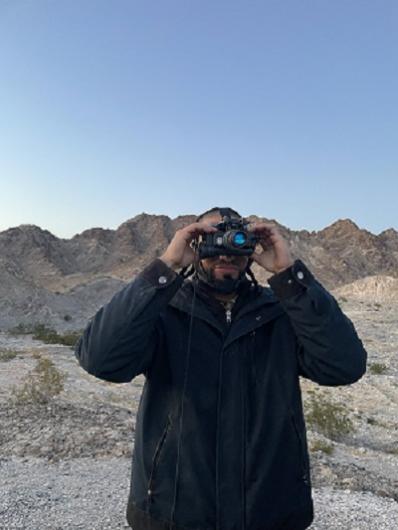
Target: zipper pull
228,314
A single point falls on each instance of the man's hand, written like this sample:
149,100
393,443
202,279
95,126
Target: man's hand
179,253
275,256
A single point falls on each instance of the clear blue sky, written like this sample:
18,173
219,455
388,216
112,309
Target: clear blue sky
286,109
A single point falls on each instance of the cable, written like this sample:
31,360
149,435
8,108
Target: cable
177,471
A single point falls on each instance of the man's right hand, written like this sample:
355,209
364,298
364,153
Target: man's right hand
179,253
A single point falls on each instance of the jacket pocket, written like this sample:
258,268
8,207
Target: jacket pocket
305,473
156,458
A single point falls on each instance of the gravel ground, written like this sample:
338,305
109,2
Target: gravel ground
90,494
66,465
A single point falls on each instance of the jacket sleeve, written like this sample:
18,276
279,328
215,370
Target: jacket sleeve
329,349
119,341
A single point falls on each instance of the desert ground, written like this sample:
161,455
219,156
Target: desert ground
66,437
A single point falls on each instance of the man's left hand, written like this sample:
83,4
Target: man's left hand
275,256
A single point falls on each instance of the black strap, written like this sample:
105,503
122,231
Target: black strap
187,271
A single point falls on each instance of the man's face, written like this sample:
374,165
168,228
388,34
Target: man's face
221,267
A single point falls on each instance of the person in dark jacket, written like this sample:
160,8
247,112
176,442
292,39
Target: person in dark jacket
220,437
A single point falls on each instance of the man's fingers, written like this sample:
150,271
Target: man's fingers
269,235
201,227
196,229
263,227
254,257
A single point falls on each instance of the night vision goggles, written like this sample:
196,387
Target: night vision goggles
232,238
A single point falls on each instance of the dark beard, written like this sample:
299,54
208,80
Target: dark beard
226,285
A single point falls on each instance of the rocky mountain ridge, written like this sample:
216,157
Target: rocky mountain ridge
44,278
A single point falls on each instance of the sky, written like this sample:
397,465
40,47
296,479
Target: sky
285,109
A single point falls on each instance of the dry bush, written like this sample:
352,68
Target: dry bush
42,383
377,368
322,446
7,355
328,418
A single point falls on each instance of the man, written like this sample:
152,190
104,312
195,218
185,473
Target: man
220,436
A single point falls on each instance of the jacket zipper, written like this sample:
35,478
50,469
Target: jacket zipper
252,356
228,314
228,304
156,457
305,475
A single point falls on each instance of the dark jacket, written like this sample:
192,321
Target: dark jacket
232,454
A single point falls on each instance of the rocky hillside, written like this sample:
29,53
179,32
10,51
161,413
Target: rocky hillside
375,288
62,282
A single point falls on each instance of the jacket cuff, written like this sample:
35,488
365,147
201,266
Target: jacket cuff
292,281
158,274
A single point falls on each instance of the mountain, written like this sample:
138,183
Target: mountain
62,282
378,289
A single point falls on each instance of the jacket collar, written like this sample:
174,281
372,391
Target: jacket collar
255,308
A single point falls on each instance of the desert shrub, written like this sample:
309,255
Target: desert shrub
50,336
67,318
328,418
21,329
343,299
42,383
47,334
71,338
7,355
377,368
322,446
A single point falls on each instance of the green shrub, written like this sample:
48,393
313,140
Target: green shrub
7,355
21,329
70,339
43,383
328,418
46,334
319,445
377,368
50,336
